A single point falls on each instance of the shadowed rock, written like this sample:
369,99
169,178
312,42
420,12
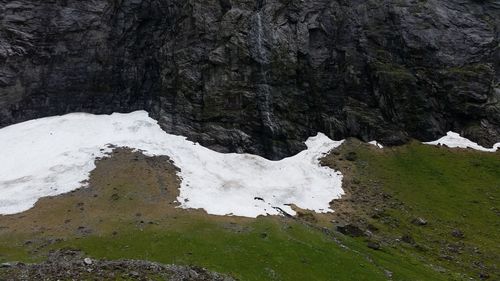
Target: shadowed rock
259,76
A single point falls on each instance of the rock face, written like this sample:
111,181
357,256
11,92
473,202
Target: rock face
259,76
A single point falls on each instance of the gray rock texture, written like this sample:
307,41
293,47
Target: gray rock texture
259,76
71,265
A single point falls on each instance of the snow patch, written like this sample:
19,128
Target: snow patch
454,140
376,143
51,156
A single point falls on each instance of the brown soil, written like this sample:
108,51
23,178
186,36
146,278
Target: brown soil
130,188
126,187
362,199
144,190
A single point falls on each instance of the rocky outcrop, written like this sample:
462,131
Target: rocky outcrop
73,265
259,76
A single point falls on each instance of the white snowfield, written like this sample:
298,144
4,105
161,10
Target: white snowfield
376,143
51,156
454,140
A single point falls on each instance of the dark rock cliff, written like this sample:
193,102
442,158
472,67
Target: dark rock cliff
259,76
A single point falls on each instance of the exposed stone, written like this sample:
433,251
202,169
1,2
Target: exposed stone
374,245
484,276
259,76
67,265
457,233
6,265
419,221
408,239
351,230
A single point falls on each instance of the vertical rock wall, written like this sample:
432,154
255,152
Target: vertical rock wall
259,76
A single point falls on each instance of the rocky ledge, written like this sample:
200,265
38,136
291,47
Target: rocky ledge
73,265
259,76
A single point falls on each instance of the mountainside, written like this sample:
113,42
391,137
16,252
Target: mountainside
414,212
259,76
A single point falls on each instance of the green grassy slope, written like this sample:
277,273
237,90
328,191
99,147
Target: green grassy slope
455,191
451,189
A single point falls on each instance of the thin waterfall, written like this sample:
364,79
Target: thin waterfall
263,88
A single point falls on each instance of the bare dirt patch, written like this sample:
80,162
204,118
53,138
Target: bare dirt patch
125,188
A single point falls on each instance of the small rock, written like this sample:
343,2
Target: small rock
446,257
419,221
351,230
193,274
374,245
5,265
377,213
454,248
87,261
407,239
484,275
457,233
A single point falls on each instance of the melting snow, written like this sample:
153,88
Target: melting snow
455,140
376,143
51,156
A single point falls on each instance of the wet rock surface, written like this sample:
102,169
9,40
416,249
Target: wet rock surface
259,76
73,265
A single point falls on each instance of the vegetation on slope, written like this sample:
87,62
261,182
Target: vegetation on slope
436,204
127,212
